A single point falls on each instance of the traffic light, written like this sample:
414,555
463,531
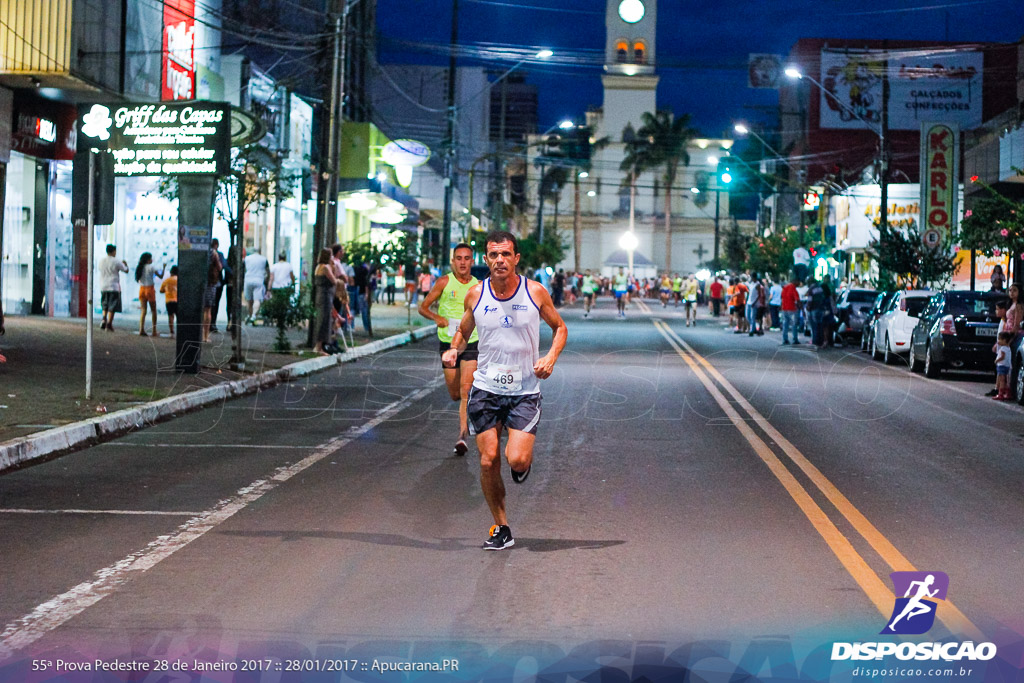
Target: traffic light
576,145
725,172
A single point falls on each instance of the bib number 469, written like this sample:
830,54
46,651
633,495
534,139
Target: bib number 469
504,380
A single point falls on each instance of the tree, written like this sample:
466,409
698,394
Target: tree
535,254
253,183
905,260
994,225
735,247
773,255
667,136
396,250
639,158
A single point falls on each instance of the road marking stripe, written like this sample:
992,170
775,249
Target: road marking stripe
954,620
186,446
49,615
27,511
951,615
865,577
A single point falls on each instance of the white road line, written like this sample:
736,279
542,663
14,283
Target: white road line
49,615
27,511
143,444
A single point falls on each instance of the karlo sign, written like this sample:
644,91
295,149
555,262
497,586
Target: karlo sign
940,151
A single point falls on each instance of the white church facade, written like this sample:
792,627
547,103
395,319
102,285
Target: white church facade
630,81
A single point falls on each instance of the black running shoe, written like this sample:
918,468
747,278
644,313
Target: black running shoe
461,448
520,477
500,538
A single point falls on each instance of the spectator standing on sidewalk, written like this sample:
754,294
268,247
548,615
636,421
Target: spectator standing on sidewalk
225,275
255,281
998,279
816,309
281,274
717,296
775,303
145,274
389,289
789,307
324,280
110,270
1001,307
1004,364
424,282
169,288
214,272
558,287
757,306
362,285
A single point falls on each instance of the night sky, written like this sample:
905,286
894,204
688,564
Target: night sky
702,46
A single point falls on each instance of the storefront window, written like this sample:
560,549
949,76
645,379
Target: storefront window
60,246
19,215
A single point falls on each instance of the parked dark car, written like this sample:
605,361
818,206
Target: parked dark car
882,300
956,331
851,309
1017,372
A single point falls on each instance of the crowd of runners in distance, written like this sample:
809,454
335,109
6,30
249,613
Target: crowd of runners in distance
753,303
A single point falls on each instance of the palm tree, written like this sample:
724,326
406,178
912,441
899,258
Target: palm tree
668,136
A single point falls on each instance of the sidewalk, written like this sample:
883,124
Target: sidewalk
42,385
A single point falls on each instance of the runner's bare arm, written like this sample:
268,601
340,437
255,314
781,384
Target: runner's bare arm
431,298
545,365
466,327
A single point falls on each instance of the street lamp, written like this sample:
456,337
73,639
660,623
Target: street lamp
883,171
629,242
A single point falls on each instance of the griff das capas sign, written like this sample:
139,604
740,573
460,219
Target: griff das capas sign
191,138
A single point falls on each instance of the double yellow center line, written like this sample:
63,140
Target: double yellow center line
868,580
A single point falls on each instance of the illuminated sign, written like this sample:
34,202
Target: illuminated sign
179,69
165,139
940,147
405,153
812,200
46,130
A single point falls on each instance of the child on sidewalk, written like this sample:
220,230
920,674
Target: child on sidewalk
1003,365
1001,307
169,288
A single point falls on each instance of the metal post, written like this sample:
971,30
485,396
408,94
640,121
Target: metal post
449,158
883,165
540,206
974,260
718,202
577,228
88,278
501,157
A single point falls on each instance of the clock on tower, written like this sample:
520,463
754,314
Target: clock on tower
631,11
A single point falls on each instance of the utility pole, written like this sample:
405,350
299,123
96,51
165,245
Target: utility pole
449,152
883,164
540,206
576,219
718,202
327,183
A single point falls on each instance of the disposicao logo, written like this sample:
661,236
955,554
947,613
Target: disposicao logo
913,614
97,122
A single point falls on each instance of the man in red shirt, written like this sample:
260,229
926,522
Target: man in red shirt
717,295
790,302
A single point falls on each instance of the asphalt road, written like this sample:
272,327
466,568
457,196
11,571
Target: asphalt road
698,500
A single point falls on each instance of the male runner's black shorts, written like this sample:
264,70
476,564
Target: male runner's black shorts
486,410
471,352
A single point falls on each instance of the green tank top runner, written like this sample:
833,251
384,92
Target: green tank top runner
452,305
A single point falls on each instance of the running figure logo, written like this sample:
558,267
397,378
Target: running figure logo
506,321
914,613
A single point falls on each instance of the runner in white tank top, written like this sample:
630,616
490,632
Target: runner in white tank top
506,310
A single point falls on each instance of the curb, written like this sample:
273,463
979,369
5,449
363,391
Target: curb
77,434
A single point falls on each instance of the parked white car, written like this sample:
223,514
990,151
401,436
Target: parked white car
892,329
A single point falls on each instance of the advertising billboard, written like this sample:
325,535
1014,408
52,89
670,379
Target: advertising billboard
924,85
178,56
940,152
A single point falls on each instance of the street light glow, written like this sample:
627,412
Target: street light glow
695,190
544,54
628,241
566,125
712,159
592,193
584,174
793,72
741,129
